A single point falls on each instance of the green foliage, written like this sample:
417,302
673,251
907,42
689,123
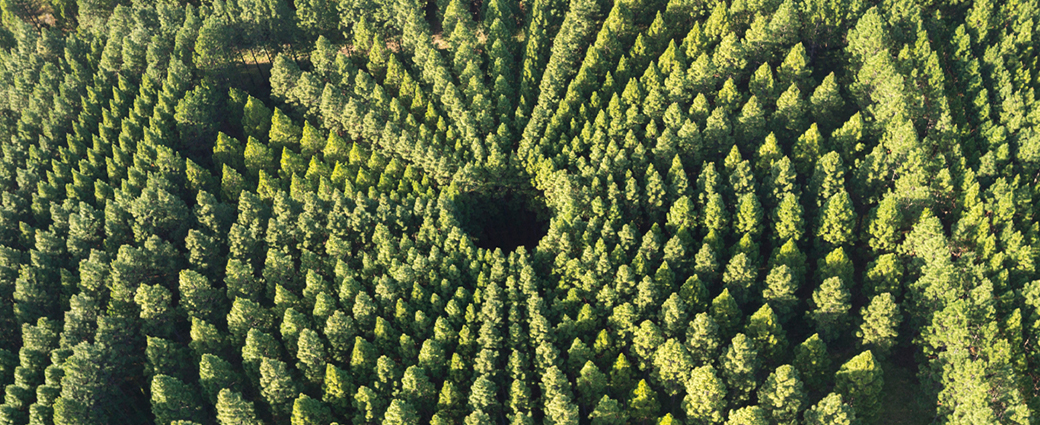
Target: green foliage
705,396
830,308
860,380
782,395
830,410
769,337
813,362
740,364
233,409
642,402
879,324
301,205
173,400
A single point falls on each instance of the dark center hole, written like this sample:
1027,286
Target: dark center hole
503,218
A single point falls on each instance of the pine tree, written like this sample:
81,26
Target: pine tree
283,132
702,339
198,298
749,415
813,363
751,124
879,324
860,381
671,364
337,390
258,157
782,395
172,400
827,104
830,308
749,215
885,274
256,119
837,220
830,410
730,56
809,146
726,313
764,330
779,292
621,377
740,364
642,402
215,375
482,394
739,277
768,154
790,117
591,384
828,177
795,68
277,386
312,356
884,224
308,411
762,84
835,264
233,409
608,412
705,396
228,150
311,141
646,340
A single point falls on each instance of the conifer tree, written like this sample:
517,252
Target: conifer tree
739,277
782,395
591,384
835,264
172,400
233,409
277,386
400,412
726,313
764,329
621,377
884,224
283,132
827,103
608,412
672,363
836,220
749,415
779,292
215,375
830,410
879,324
813,363
740,364
309,411
883,275
860,380
642,402
830,308
702,340
705,398
256,119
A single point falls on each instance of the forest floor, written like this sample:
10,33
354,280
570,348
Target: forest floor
902,402
250,79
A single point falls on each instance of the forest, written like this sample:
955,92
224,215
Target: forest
519,212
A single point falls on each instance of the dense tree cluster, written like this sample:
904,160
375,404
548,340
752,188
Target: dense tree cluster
251,211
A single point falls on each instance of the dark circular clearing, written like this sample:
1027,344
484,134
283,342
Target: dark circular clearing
503,218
